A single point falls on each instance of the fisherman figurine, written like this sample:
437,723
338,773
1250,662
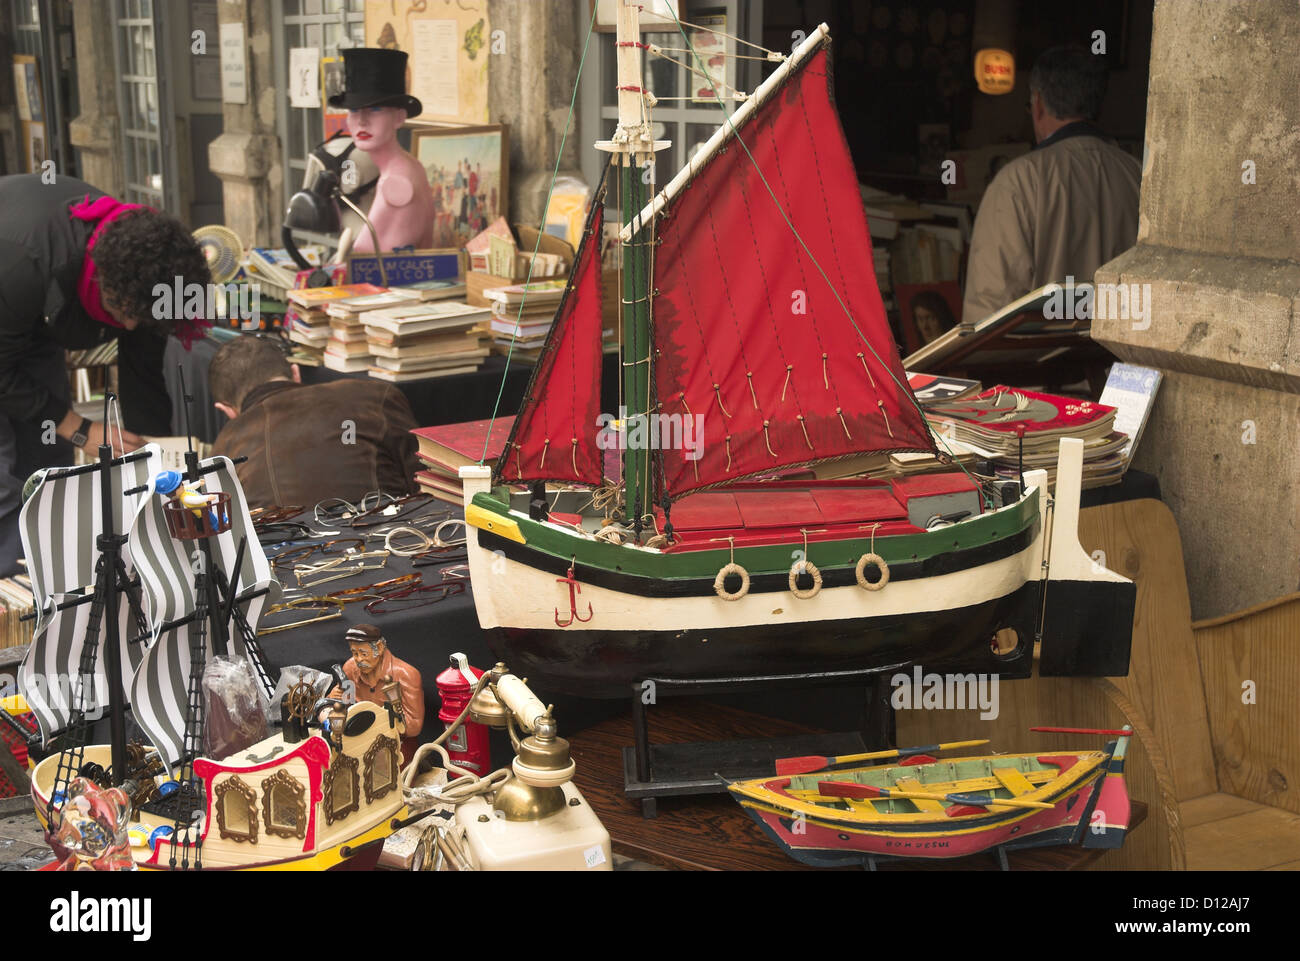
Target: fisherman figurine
377,103
371,667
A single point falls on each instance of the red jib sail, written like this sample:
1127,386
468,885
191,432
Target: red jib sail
752,343
554,437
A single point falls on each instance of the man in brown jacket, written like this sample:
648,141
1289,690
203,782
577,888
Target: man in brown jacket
305,443
1063,209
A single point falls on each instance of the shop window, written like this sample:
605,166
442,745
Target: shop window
236,804
382,761
329,27
342,788
284,805
687,113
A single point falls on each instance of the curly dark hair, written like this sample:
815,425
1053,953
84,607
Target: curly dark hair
137,252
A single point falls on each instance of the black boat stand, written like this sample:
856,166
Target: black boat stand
652,771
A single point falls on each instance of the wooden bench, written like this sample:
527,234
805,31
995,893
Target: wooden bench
1213,704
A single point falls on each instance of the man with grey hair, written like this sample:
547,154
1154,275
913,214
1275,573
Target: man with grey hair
1063,209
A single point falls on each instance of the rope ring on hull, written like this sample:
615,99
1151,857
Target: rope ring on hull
860,572
720,582
808,567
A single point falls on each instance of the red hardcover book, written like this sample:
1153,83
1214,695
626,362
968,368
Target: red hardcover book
452,446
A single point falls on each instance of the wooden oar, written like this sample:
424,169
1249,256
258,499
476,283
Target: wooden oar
811,763
864,792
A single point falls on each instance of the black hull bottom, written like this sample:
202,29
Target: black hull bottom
603,664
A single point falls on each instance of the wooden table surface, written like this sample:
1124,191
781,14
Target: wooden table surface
711,832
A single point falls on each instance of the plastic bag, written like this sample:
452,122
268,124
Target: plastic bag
235,707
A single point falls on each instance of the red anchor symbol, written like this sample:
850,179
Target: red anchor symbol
574,590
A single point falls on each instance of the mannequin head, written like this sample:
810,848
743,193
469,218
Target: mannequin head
375,128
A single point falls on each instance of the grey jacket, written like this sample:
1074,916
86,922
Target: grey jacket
1062,210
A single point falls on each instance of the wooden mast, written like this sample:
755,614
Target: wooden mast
634,146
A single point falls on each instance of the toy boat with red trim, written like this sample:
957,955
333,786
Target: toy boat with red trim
932,809
742,362
313,804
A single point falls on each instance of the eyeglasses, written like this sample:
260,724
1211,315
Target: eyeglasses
273,515
404,506
383,589
287,559
332,606
415,597
307,575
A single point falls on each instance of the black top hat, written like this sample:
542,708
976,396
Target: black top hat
375,78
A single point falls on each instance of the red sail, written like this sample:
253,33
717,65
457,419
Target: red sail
554,437
748,332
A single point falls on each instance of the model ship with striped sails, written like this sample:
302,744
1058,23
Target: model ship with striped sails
164,602
749,307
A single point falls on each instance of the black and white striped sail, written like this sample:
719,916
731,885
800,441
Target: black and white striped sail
159,687
158,690
167,566
62,518
50,673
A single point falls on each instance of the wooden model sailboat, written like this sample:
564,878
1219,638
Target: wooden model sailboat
174,586
751,318
931,809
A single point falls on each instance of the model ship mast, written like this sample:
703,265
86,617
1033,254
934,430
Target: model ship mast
111,580
633,148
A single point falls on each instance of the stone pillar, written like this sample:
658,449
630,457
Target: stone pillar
96,132
529,88
1219,245
247,154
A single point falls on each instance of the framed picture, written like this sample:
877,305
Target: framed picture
331,85
926,312
468,168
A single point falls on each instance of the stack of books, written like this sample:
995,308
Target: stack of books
445,449
425,339
348,349
310,330
275,270
989,425
522,314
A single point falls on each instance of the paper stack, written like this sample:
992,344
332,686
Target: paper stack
990,424
348,349
311,324
522,314
430,339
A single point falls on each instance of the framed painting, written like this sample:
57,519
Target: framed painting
468,168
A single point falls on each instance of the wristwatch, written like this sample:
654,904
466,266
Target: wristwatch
82,433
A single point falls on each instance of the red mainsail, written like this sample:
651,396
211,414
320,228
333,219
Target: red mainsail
554,436
747,331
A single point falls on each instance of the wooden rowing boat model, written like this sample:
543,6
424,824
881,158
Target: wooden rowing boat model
934,809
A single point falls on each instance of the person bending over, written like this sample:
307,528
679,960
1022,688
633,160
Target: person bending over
78,268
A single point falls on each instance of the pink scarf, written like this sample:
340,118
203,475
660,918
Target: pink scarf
103,211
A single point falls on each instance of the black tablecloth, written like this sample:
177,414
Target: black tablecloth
424,637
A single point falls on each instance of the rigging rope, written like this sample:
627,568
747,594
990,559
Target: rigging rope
541,230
